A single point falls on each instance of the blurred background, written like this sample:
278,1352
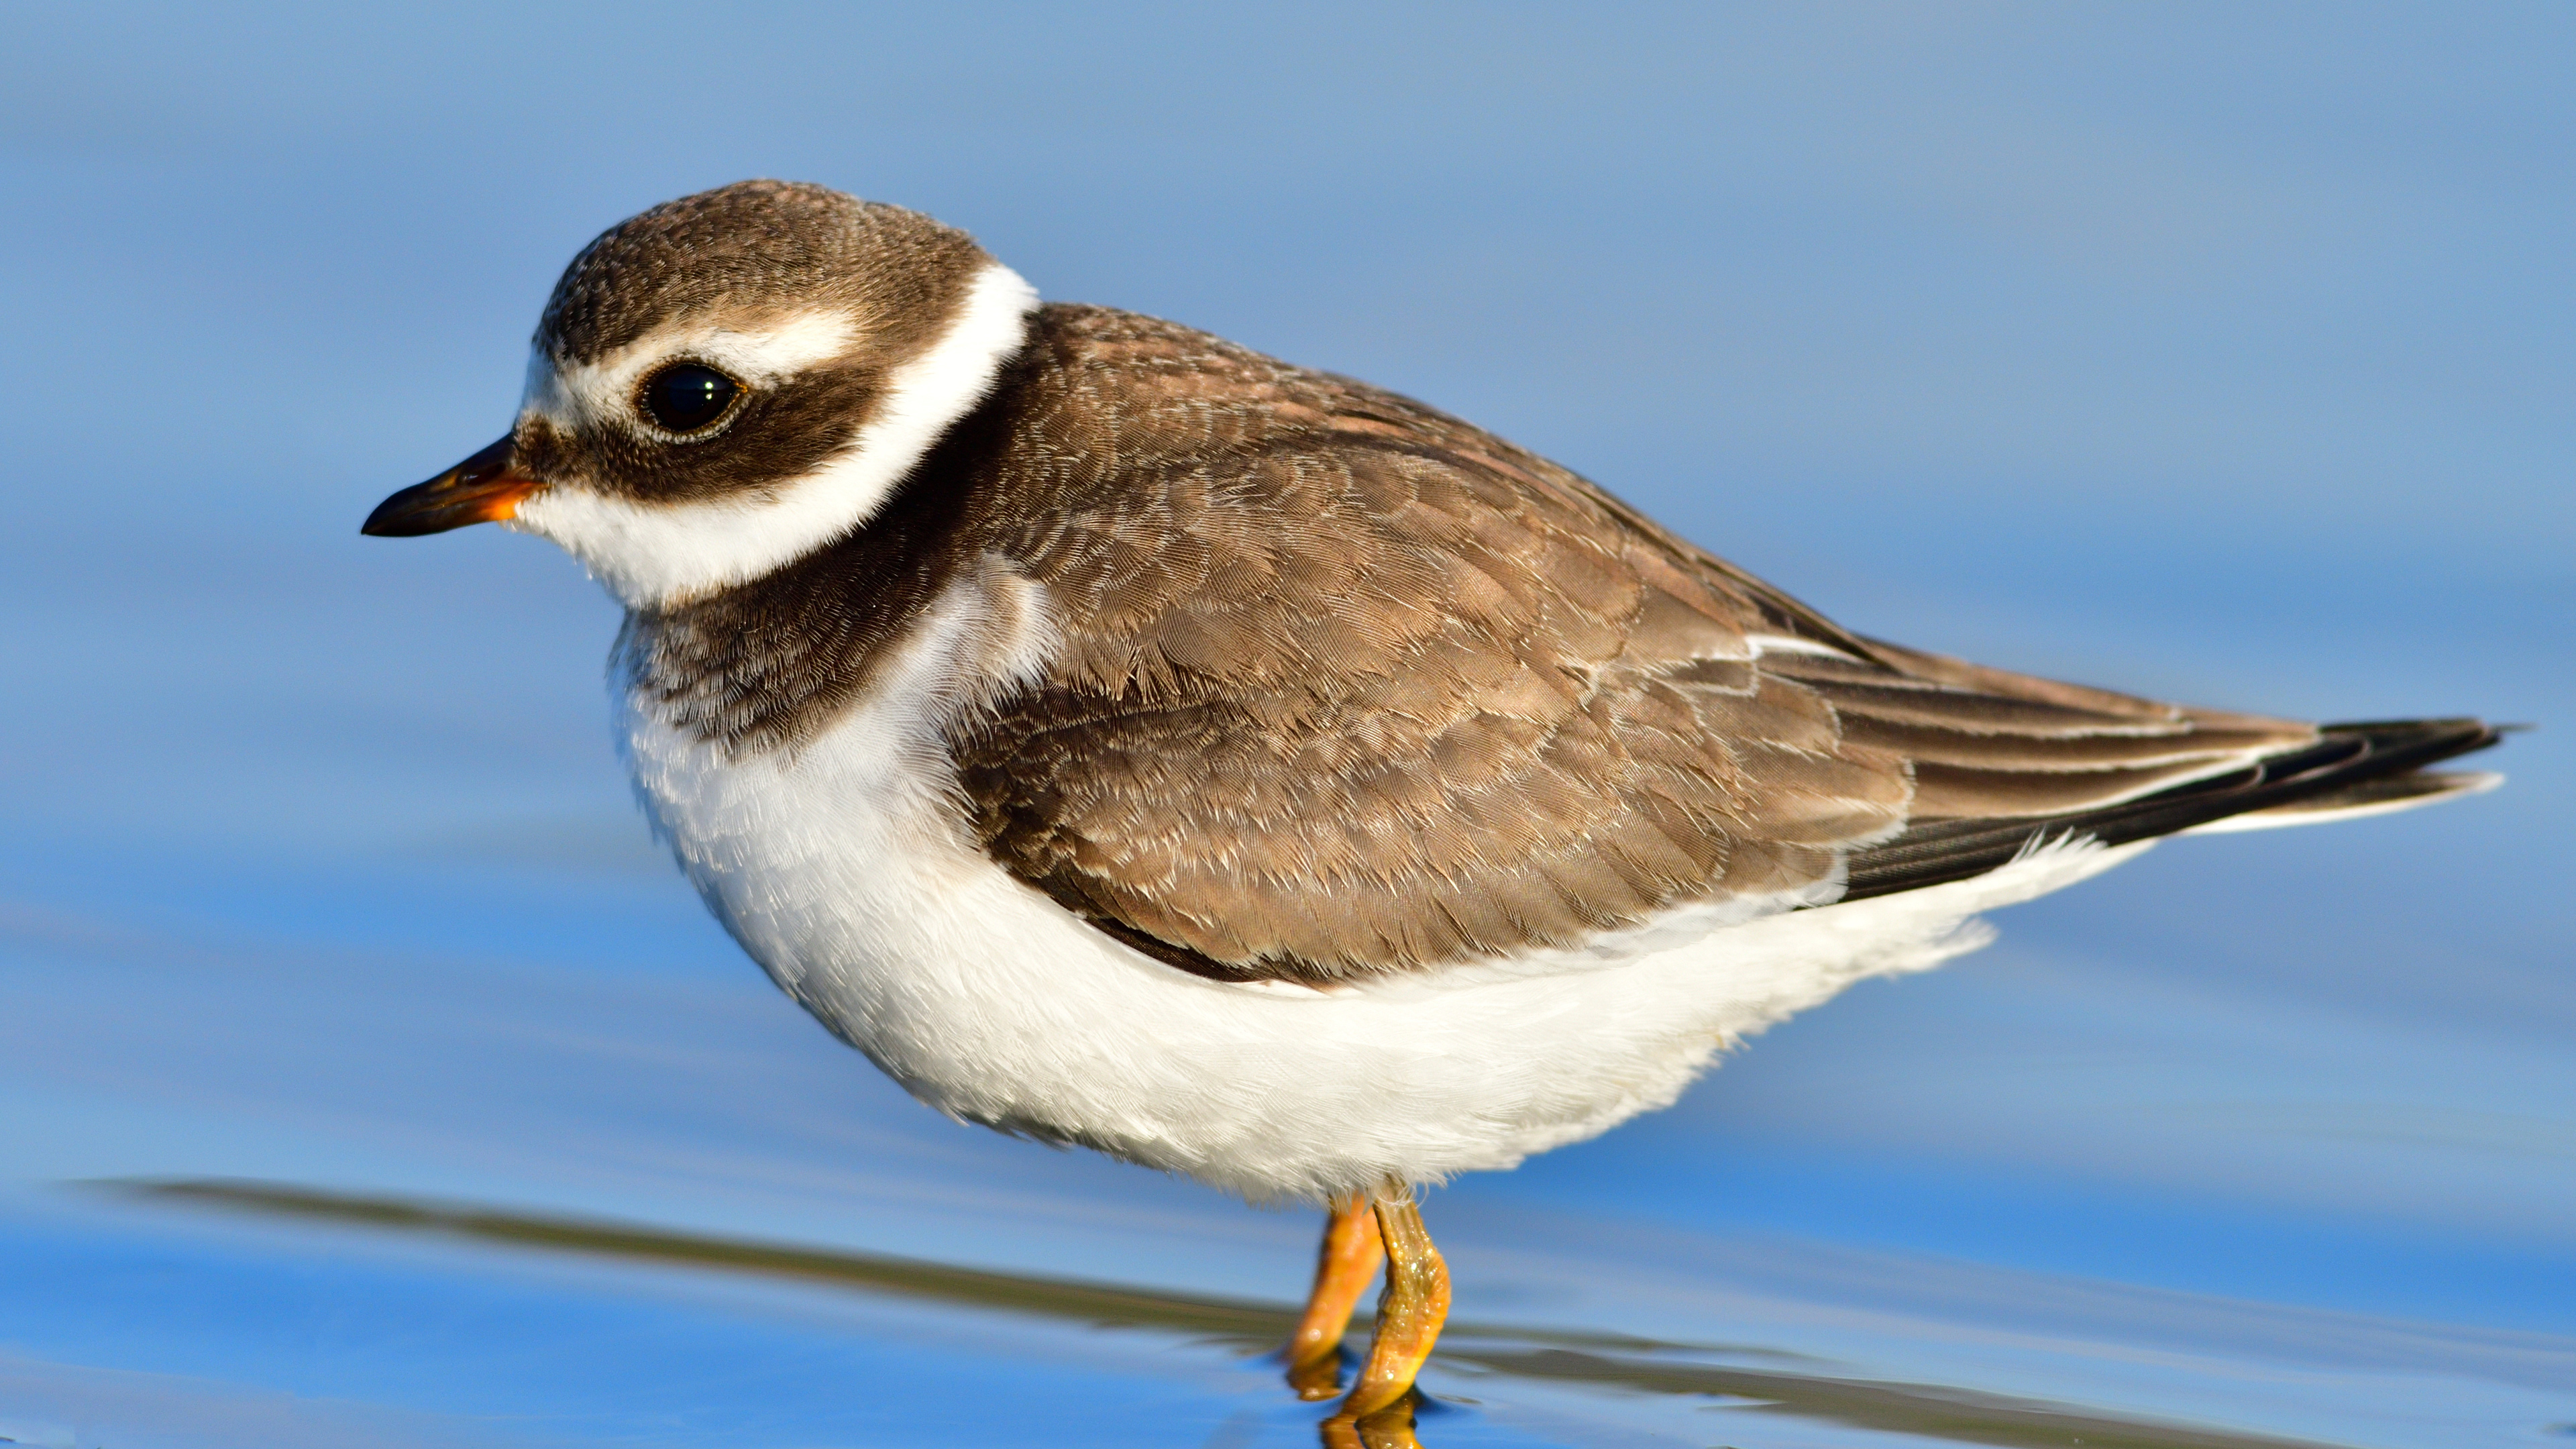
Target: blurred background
2216,352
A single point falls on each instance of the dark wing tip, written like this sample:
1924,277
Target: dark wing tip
2344,757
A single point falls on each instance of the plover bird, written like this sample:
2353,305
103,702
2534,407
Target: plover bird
1129,740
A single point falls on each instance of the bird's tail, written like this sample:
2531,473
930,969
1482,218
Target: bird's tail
2364,768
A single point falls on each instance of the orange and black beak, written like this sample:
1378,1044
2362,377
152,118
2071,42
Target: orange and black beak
485,488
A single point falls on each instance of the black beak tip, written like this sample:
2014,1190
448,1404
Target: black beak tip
400,516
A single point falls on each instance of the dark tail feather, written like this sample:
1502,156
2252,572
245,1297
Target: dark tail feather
2350,766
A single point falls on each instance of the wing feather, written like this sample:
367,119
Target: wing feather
1347,687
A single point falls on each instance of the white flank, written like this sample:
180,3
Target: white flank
652,555
843,869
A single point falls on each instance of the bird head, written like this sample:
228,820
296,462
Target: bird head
729,381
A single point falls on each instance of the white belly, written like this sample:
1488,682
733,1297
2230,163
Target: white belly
841,869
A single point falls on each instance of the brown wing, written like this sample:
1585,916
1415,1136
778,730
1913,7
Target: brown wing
1349,687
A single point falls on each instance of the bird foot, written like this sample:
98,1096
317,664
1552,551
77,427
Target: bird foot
1388,1428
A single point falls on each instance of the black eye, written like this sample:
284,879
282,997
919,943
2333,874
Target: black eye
685,397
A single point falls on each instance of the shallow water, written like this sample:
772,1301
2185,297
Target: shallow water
366,1077
692,1339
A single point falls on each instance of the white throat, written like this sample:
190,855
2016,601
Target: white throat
658,554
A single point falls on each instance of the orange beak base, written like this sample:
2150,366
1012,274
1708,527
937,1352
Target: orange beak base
485,488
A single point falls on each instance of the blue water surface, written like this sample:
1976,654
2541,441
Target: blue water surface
2214,353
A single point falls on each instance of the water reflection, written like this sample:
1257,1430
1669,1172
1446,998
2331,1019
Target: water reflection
1506,1354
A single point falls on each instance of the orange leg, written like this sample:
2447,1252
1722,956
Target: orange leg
1409,1315
1351,1252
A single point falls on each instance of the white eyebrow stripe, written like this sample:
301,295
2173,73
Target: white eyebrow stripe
761,357
602,391
653,554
